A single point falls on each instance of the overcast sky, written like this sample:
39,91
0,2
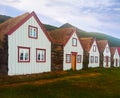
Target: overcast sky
89,15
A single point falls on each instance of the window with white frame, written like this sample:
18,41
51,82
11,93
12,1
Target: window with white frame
92,59
94,48
40,55
68,58
32,32
79,57
23,54
96,59
74,41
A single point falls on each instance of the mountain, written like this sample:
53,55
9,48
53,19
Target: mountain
67,25
3,18
81,33
50,27
114,42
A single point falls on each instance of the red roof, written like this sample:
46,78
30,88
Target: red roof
118,48
101,45
112,50
87,43
9,26
62,35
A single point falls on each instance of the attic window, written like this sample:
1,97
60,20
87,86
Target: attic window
94,48
32,32
40,55
23,54
74,41
107,49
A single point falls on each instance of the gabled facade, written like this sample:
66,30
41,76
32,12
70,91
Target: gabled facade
91,52
114,57
118,48
105,54
67,49
29,45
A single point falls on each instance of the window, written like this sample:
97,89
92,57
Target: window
107,49
94,48
23,54
32,32
92,59
40,55
68,58
105,59
74,41
79,58
96,59
109,59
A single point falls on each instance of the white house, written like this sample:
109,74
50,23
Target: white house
105,54
114,57
118,48
91,50
72,50
29,45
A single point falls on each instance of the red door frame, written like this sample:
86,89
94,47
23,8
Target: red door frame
116,62
106,61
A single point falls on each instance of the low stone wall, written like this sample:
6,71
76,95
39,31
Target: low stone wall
3,62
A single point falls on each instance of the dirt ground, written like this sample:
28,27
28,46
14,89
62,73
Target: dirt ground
46,81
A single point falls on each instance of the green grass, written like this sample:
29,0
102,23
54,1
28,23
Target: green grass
88,83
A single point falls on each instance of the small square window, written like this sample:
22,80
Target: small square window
74,41
40,55
32,32
68,58
79,57
23,54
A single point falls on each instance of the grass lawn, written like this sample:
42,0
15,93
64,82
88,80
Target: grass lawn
88,83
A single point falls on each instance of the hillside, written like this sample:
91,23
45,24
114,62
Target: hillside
112,40
50,27
3,18
100,36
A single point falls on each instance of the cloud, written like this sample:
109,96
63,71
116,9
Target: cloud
90,15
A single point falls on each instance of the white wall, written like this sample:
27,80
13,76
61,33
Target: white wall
20,38
68,49
94,53
107,54
116,56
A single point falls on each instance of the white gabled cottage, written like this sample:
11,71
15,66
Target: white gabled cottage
118,48
67,50
114,57
91,51
105,54
29,45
